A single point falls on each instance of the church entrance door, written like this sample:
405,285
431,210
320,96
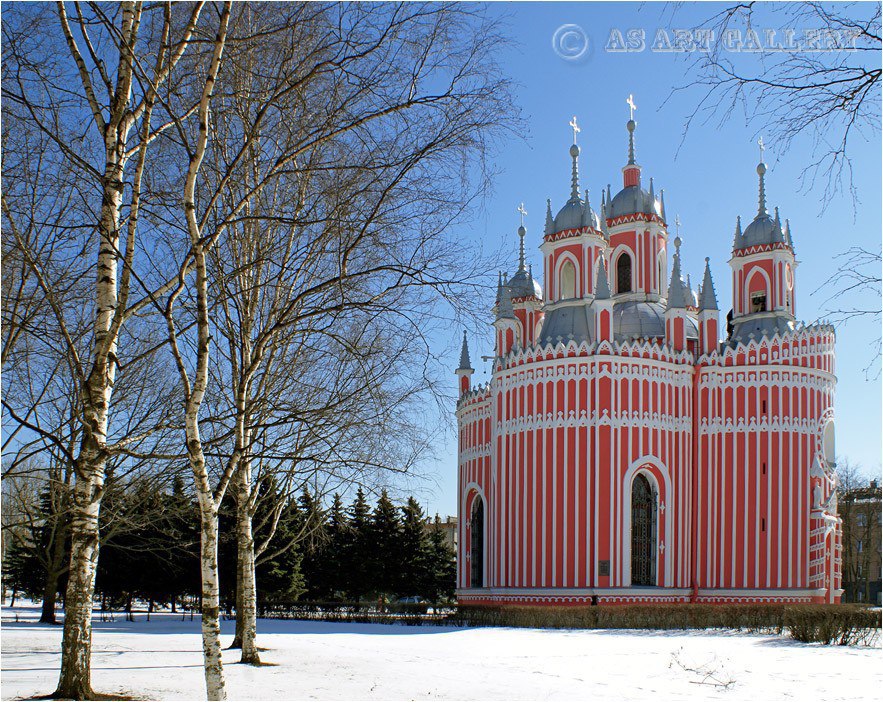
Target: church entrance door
643,532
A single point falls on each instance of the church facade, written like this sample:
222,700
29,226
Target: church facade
631,446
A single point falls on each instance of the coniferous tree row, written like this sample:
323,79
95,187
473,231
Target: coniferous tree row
333,553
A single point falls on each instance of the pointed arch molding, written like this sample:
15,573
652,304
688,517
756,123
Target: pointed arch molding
746,293
659,477
470,492
564,257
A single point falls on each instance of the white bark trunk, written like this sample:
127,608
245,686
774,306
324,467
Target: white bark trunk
246,615
211,625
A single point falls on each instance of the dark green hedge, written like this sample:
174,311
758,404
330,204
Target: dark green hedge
846,624
826,624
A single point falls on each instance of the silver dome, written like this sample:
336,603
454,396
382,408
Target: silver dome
633,200
763,230
523,285
573,322
645,320
759,326
570,216
575,214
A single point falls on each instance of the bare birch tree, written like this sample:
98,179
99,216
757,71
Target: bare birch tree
104,68
349,133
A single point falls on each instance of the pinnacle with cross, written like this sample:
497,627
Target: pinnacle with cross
632,106
762,147
522,212
576,129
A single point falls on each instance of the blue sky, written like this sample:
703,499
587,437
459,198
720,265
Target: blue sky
708,178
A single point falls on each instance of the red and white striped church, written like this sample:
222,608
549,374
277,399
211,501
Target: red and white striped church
631,446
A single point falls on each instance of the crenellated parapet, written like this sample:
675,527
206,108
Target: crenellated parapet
808,346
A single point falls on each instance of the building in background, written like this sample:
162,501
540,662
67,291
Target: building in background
621,452
860,510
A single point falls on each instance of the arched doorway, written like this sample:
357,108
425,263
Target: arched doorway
476,527
643,532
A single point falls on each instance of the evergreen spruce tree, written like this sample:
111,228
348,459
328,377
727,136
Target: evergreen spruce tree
22,573
384,553
440,576
183,543
356,581
278,571
311,543
326,579
413,551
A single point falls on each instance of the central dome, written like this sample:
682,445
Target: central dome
633,199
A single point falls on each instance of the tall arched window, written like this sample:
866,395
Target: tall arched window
643,532
567,281
476,526
624,273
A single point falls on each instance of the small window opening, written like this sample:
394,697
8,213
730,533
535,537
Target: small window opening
764,468
763,405
624,274
758,302
763,524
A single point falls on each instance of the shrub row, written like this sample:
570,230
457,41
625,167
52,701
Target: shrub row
843,624
826,624
834,624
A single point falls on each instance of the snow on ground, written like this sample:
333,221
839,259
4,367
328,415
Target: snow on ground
162,659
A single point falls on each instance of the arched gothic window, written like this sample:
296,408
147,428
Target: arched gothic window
624,273
476,526
567,281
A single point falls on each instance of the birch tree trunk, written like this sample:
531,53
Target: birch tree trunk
246,595
211,625
209,500
76,648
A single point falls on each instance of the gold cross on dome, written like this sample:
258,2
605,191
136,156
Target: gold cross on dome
632,106
576,129
760,144
522,212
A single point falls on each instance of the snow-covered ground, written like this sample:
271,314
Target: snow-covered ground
161,659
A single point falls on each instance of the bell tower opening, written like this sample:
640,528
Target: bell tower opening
643,532
568,281
476,526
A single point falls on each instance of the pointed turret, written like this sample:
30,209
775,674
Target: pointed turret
602,285
708,317
677,297
707,295
737,235
787,234
465,370
550,225
676,306
465,363
603,306
662,205
504,307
